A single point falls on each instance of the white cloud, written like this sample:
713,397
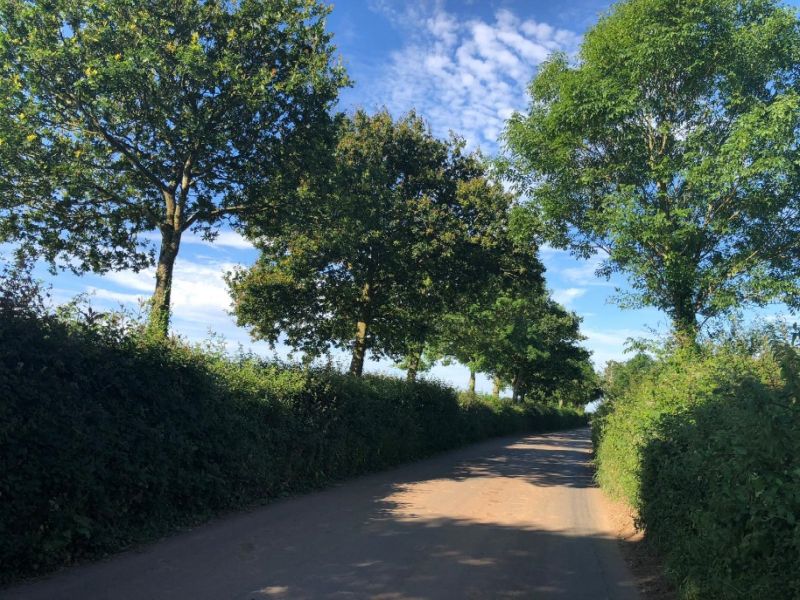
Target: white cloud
198,289
616,338
585,273
143,281
547,250
609,344
224,239
465,76
566,296
121,297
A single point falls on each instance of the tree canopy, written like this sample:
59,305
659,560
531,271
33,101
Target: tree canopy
533,344
522,338
467,331
133,117
671,144
619,377
404,223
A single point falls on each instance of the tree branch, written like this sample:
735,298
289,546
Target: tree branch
220,212
124,147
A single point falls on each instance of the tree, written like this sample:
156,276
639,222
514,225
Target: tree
584,385
671,145
620,377
398,229
498,252
517,334
460,336
142,116
536,346
474,229
468,330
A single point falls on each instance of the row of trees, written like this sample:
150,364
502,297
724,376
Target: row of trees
670,145
412,250
119,119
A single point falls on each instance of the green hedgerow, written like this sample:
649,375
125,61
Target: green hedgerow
108,438
705,447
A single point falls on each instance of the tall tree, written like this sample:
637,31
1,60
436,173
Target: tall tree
142,116
398,228
493,249
671,144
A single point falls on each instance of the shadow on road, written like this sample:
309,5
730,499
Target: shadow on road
445,558
555,460
502,519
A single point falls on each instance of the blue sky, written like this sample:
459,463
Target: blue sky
464,65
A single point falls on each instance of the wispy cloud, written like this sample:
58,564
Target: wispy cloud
466,76
566,296
550,251
585,273
224,239
609,344
121,297
616,338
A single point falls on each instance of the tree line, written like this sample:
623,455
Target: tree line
669,144
374,236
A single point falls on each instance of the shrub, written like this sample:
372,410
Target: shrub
108,438
705,447
617,383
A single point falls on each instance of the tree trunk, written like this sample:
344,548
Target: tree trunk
496,387
359,349
362,327
413,360
472,380
686,328
684,314
413,367
158,320
516,387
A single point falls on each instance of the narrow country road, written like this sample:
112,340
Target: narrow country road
508,518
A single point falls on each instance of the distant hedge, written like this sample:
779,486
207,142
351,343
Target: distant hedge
705,445
107,439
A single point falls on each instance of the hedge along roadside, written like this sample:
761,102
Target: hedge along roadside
108,439
704,445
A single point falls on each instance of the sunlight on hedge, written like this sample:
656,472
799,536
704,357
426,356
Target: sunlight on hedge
704,445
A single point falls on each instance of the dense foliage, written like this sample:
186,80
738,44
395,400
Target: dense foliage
704,445
524,338
404,224
670,143
506,325
109,437
671,146
122,118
